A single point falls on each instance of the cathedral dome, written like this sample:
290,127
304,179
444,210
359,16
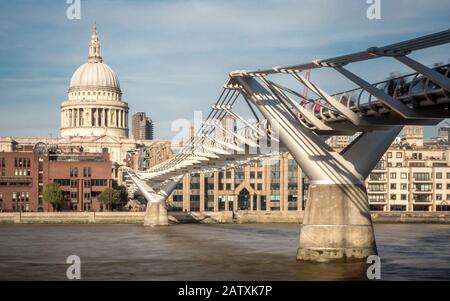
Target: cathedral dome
94,106
94,74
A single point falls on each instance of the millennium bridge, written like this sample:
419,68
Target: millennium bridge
337,224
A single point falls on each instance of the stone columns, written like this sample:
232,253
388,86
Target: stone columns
227,203
337,225
91,117
202,192
216,191
258,202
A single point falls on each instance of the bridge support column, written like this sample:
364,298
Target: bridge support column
156,212
337,225
156,215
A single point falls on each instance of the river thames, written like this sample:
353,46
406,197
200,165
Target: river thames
209,252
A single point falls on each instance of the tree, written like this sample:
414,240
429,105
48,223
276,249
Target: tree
53,195
109,197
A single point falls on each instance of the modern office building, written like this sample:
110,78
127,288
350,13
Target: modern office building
142,126
275,184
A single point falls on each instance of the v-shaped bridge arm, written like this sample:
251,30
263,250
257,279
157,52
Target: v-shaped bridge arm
322,164
149,194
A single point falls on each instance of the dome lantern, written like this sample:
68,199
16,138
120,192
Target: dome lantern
95,54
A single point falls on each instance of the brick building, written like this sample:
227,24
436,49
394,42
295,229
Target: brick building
25,173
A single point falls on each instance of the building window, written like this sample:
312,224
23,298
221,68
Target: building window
275,186
398,155
87,172
87,206
377,187
99,182
393,197
376,198
195,203
393,175
403,197
421,176
398,208
444,207
393,186
417,156
62,182
380,165
389,155
73,172
423,187
439,175
377,176
438,185
195,185
403,175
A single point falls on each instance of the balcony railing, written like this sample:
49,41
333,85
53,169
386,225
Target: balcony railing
422,179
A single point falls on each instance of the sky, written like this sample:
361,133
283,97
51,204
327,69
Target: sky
172,57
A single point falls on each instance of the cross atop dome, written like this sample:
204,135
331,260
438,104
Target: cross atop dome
95,54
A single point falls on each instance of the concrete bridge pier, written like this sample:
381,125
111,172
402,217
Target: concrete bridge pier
156,212
156,215
337,225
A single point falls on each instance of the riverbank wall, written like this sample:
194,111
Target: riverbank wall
222,217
